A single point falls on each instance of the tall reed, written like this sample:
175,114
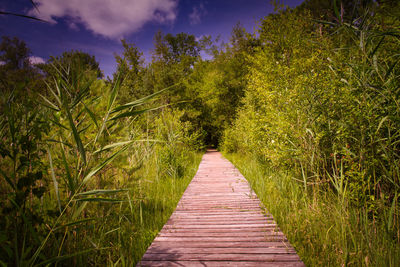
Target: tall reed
81,173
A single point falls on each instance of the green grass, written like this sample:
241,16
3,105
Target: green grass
323,228
160,197
121,233
94,186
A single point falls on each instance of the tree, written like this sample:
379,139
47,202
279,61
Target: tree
216,87
131,60
77,66
174,58
14,53
336,10
78,61
17,75
181,48
130,70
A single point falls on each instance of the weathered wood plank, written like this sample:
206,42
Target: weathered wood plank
233,231
212,250
221,257
261,222
215,226
261,238
204,263
216,212
212,234
240,215
219,244
219,221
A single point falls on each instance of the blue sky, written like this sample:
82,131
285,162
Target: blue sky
97,26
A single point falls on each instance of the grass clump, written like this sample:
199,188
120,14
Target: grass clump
326,230
152,199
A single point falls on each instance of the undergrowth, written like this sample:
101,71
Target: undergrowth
324,229
158,199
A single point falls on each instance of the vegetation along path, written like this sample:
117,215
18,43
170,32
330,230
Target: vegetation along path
218,222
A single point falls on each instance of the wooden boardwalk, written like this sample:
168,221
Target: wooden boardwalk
220,222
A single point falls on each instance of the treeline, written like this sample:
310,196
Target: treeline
91,168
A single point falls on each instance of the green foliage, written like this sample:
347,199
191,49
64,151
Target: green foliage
175,139
77,62
90,174
65,168
22,171
329,113
216,87
321,104
131,71
17,75
15,53
324,230
181,48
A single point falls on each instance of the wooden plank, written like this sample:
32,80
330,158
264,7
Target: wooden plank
240,215
222,220
219,221
243,217
260,238
215,212
234,231
212,250
219,244
215,226
217,207
221,257
207,222
211,234
203,263
227,221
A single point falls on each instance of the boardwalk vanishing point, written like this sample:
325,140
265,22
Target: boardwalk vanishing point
219,221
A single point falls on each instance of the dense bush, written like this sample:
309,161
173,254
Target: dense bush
322,100
321,109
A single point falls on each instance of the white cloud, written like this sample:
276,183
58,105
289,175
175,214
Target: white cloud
36,60
197,13
110,18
